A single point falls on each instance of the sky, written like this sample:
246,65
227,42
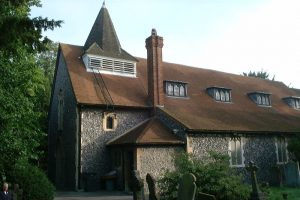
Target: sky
232,36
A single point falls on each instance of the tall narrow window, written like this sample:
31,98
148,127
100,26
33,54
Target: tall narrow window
236,152
281,148
109,121
60,110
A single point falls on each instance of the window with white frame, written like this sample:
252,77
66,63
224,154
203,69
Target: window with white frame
176,89
281,150
106,65
236,152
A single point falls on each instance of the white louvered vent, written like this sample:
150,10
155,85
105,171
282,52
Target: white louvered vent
110,66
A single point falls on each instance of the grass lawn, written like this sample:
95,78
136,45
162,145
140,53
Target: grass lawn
276,193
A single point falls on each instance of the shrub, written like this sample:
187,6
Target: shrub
213,174
33,181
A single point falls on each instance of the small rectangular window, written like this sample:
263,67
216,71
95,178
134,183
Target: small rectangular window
281,148
236,152
176,89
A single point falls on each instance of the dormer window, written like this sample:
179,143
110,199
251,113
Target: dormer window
293,102
220,93
99,64
260,98
175,88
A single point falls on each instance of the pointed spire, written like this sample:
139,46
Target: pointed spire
103,39
103,33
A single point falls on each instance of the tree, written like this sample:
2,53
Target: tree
260,74
24,84
19,30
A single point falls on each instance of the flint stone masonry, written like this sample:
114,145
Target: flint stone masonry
155,160
62,149
171,123
259,149
94,154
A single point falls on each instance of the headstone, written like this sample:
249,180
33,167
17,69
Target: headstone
137,185
151,186
255,194
187,187
292,174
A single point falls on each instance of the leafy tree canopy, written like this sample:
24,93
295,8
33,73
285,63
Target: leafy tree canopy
19,30
259,74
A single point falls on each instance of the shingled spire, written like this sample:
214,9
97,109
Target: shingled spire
103,39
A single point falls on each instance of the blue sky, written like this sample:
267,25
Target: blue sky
233,36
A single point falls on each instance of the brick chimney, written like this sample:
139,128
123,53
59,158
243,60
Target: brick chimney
154,45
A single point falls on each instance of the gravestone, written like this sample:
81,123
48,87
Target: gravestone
151,186
255,194
292,174
187,187
137,185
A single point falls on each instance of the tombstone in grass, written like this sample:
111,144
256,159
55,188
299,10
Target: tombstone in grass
187,187
255,194
292,174
151,186
137,185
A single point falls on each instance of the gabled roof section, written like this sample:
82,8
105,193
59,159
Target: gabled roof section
148,132
103,39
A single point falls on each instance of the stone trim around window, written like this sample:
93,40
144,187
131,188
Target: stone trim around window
236,152
110,121
220,94
281,150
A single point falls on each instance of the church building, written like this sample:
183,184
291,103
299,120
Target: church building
112,111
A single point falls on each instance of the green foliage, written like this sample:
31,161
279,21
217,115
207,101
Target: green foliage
294,147
19,30
33,181
260,74
22,87
213,174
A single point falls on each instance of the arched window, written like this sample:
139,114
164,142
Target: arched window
176,90
182,91
170,89
222,94
227,96
109,121
217,95
259,101
263,100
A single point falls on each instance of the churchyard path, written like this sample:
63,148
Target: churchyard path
92,196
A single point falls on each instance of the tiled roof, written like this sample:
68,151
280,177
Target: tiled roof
148,132
103,39
198,111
